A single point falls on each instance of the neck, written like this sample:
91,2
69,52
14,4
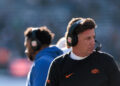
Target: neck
43,46
77,52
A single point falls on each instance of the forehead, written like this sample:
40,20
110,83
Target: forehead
89,32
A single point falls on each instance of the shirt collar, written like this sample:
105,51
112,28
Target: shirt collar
75,57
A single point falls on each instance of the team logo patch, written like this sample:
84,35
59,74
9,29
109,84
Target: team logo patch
95,71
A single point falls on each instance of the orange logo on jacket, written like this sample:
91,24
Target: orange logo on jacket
95,71
48,81
67,76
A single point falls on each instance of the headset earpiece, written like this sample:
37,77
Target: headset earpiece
72,38
35,43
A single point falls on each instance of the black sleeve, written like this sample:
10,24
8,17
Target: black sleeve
52,78
112,72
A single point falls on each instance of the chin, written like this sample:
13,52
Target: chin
90,51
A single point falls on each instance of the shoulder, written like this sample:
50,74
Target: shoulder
60,59
104,57
108,62
42,62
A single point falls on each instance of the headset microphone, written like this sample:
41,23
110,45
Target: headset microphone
99,46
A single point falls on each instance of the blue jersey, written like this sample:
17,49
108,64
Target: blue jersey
38,73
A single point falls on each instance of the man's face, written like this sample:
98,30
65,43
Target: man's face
86,42
28,51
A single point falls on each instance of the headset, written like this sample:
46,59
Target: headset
72,38
98,46
35,43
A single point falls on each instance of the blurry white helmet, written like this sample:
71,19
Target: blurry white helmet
61,43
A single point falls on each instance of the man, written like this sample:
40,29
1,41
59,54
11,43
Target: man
37,42
84,65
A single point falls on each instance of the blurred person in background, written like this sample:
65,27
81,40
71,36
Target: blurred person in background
85,65
61,43
38,50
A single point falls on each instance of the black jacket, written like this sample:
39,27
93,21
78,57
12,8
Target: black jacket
98,69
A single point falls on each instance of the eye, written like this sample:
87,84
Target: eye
88,38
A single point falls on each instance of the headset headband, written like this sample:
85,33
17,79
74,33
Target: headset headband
74,25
